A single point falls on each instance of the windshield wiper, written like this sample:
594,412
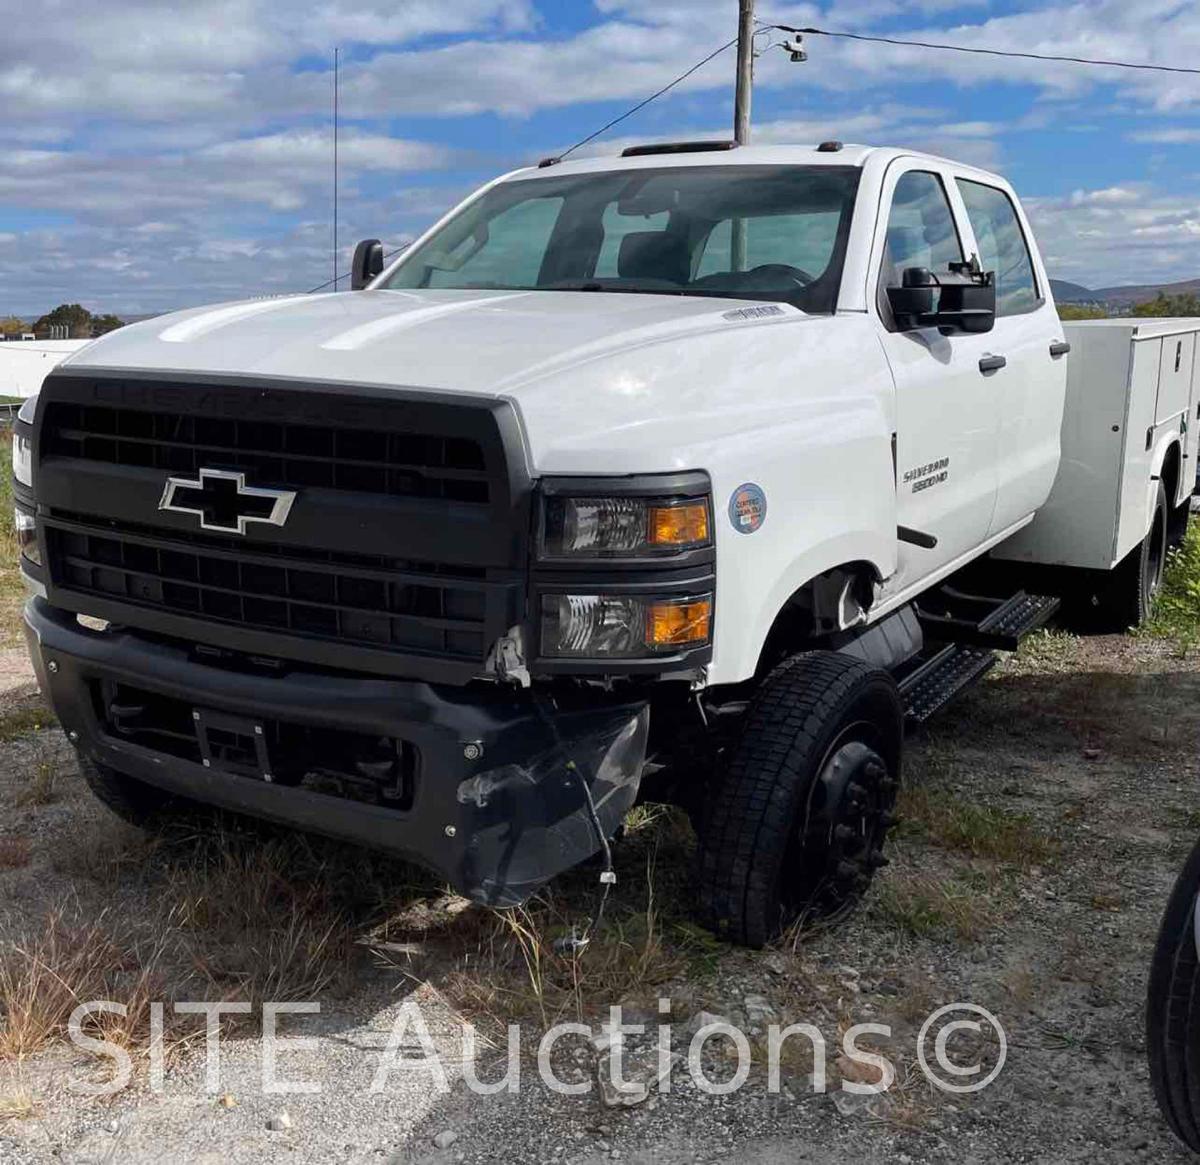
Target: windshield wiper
596,285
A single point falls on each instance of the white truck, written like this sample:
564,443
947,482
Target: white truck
652,476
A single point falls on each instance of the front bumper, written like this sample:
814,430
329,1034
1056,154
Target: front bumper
496,827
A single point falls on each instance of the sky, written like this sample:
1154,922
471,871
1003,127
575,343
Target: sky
155,156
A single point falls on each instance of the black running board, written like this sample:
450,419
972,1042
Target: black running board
952,616
939,679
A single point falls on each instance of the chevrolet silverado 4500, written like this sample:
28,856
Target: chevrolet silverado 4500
652,476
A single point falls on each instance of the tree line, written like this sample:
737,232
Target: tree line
1162,305
80,323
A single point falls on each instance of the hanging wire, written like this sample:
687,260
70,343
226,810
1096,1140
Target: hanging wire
330,282
653,97
592,136
956,48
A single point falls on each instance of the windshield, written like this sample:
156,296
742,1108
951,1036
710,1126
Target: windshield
742,232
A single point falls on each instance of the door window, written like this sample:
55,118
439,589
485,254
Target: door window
1002,246
920,228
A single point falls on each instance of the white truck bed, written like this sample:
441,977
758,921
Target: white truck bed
1132,385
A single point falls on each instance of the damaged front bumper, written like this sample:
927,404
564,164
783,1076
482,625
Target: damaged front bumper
496,803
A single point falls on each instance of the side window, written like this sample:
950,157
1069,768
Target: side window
508,253
1002,246
920,228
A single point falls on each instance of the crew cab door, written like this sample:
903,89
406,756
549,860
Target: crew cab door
1031,387
946,402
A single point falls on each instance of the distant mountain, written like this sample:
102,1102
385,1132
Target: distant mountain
1125,296
1065,292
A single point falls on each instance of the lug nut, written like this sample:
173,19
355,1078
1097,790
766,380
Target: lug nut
73,737
473,750
450,831
52,667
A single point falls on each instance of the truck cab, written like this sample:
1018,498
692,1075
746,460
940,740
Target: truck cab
631,477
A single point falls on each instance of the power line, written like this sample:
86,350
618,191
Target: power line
653,97
957,48
346,275
591,137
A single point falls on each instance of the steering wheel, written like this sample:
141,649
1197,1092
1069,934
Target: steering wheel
797,275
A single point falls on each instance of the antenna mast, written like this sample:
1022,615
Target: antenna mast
336,63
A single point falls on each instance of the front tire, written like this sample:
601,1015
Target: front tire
1173,1011
800,814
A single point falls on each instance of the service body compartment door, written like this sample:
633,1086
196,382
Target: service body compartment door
1174,376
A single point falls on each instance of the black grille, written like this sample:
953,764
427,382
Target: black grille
276,453
404,551
375,602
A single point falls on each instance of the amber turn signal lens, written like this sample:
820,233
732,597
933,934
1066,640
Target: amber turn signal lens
679,624
684,525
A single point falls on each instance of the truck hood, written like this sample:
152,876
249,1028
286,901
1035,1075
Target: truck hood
487,342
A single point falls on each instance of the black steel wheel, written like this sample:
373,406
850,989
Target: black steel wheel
1126,599
1173,1010
799,817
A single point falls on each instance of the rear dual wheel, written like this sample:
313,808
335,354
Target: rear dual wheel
1126,597
799,816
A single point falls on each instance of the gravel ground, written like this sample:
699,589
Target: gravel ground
1082,755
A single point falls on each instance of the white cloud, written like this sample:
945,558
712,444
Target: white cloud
1119,235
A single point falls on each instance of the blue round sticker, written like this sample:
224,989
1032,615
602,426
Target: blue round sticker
747,508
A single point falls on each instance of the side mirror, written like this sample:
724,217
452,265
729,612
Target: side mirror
962,300
368,262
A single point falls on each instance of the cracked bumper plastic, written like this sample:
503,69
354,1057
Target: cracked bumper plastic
496,827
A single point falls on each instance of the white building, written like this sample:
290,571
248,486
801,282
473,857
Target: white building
24,364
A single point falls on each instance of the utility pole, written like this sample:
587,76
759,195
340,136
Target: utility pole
741,117
745,72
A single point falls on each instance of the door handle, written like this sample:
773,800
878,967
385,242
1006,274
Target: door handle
1059,348
992,363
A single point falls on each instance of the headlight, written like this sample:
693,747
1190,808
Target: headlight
624,527
623,626
26,528
22,456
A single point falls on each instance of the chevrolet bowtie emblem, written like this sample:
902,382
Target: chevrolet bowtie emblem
223,501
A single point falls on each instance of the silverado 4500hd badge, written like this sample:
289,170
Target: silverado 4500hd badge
747,508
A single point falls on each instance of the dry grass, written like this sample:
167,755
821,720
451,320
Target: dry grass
529,964
31,716
73,960
42,788
526,963
15,853
12,591
230,916
947,821
17,1104
926,906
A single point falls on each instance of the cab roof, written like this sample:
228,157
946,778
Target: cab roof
873,158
